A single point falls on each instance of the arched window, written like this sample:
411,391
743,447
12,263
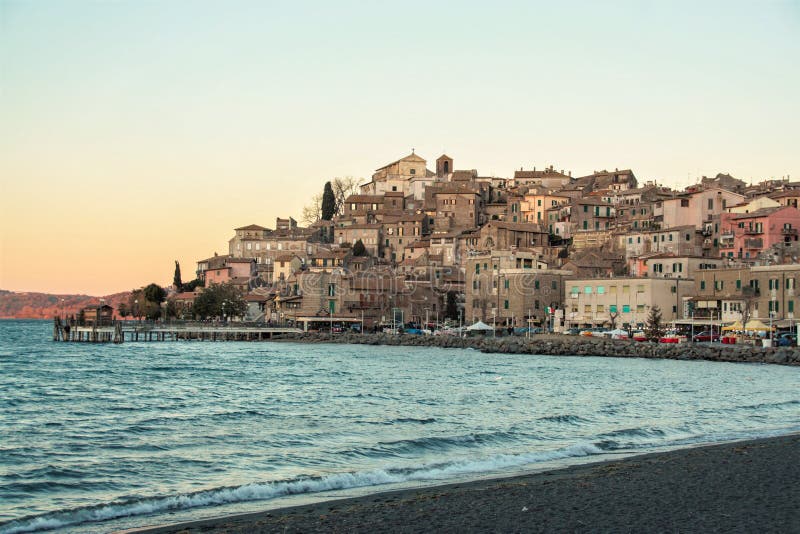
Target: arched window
446,167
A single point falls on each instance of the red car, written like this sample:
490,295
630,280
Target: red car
705,337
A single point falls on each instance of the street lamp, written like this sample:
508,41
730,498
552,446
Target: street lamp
223,313
136,310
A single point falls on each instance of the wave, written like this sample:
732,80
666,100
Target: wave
571,419
410,447
424,421
271,490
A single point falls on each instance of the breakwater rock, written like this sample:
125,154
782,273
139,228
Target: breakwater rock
560,345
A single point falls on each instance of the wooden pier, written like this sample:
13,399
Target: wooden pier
120,333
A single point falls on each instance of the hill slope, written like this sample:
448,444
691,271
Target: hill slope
45,306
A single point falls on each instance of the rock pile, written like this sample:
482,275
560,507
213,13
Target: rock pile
567,346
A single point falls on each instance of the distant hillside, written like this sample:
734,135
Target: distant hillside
45,306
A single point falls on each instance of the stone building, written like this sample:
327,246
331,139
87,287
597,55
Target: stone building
508,289
624,301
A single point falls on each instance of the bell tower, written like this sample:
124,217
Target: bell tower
444,166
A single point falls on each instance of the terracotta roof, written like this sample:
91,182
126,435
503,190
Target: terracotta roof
763,212
287,257
252,227
364,199
410,157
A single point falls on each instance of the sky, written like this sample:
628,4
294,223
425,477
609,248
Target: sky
137,133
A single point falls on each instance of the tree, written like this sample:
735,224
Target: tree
155,293
312,212
210,302
613,316
191,286
123,310
359,249
146,302
343,188
328,203
451,310
654,328
749,296
176,278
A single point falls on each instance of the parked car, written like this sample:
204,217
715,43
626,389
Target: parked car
787,339
705,336
572,331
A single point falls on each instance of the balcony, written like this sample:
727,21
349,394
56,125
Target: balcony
756,243
726,244
789,231
753,231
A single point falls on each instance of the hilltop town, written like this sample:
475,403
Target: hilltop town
542,248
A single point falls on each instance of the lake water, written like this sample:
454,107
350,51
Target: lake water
95,438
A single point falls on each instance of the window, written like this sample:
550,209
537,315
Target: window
585,225
249,246
587,290
587,308
612,308
505,304
553,285
626,290
601,290
626,308
702,284
331,290
574,290
585,208
790,283
739,284
477,268
790,306
711,203
413,171
688,237
536,284
601,308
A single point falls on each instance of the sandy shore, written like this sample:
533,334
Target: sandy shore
736,487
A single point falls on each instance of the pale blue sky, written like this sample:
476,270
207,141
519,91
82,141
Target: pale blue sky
236,112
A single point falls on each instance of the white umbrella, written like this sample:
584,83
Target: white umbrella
479,326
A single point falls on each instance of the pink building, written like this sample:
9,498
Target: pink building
746,235
233,269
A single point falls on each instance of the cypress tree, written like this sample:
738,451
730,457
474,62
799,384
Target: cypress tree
176,279
328,202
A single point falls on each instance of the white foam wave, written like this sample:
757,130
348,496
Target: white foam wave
271,490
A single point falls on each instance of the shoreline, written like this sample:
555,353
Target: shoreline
734,486
562,345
